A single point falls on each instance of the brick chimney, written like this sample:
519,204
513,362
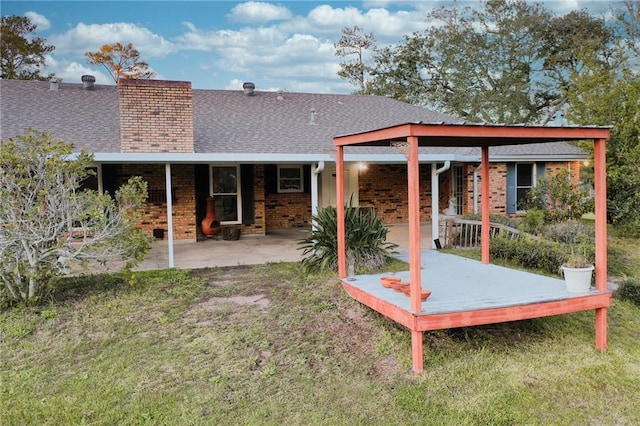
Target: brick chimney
155,115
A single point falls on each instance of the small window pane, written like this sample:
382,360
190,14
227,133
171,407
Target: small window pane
290,173
290,179
227,207
224,180
525,175
522,198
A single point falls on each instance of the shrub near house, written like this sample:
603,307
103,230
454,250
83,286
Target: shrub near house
48,221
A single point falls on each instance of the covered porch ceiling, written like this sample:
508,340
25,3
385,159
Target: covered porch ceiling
408,137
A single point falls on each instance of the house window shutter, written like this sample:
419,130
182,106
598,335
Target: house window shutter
540,170
306,178
270,179
247,185
511,188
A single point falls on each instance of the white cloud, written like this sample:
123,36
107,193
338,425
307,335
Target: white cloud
234,84
258,12
250,38
387,27
88,38
40,21
296,54
595,7
71,72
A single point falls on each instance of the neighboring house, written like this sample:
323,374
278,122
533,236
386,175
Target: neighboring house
267,158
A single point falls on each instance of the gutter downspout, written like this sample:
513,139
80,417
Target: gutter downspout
435,224
315,171
475,188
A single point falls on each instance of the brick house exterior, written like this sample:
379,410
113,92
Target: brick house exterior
275,147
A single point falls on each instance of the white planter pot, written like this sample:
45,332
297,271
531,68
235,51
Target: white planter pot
578,280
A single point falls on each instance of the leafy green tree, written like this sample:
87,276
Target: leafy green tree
22,53
121,61
609,94
47,221
629,18
354,42
508,62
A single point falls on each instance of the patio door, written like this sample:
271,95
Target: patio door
330,188
458,188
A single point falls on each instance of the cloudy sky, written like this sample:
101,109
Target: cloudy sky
284,45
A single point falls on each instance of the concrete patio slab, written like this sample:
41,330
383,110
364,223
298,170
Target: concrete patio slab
279,245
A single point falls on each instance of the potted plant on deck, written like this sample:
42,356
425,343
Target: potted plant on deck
577,271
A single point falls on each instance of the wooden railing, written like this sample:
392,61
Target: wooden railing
464,233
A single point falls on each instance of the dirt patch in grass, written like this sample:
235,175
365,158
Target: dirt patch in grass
256,301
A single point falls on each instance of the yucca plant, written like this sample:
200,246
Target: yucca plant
366,241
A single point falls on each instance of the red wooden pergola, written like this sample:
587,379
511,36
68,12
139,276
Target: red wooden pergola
409,137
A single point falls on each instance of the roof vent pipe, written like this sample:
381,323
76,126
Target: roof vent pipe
312,116
249,87
54,84
87,81
280,96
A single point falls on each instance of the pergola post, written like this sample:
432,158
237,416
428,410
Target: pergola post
600,187
415,262
342,255
485,205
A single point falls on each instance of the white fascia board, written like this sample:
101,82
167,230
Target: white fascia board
260,158
194,158
530,158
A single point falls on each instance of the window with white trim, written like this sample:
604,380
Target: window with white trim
290,178
225,189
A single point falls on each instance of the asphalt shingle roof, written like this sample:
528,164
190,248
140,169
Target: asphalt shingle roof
234,122
89,119
228,121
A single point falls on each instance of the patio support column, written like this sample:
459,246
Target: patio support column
600,186
342,255
315,174
167,172
99,178
485,205
415,267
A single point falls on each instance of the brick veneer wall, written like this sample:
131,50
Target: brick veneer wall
573,166
498,183
287,210
259,226
384,187
155,212
155,115
185,224
497,188
467,171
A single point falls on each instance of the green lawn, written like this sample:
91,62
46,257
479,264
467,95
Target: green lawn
271,345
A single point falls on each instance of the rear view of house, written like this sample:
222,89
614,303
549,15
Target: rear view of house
266,158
